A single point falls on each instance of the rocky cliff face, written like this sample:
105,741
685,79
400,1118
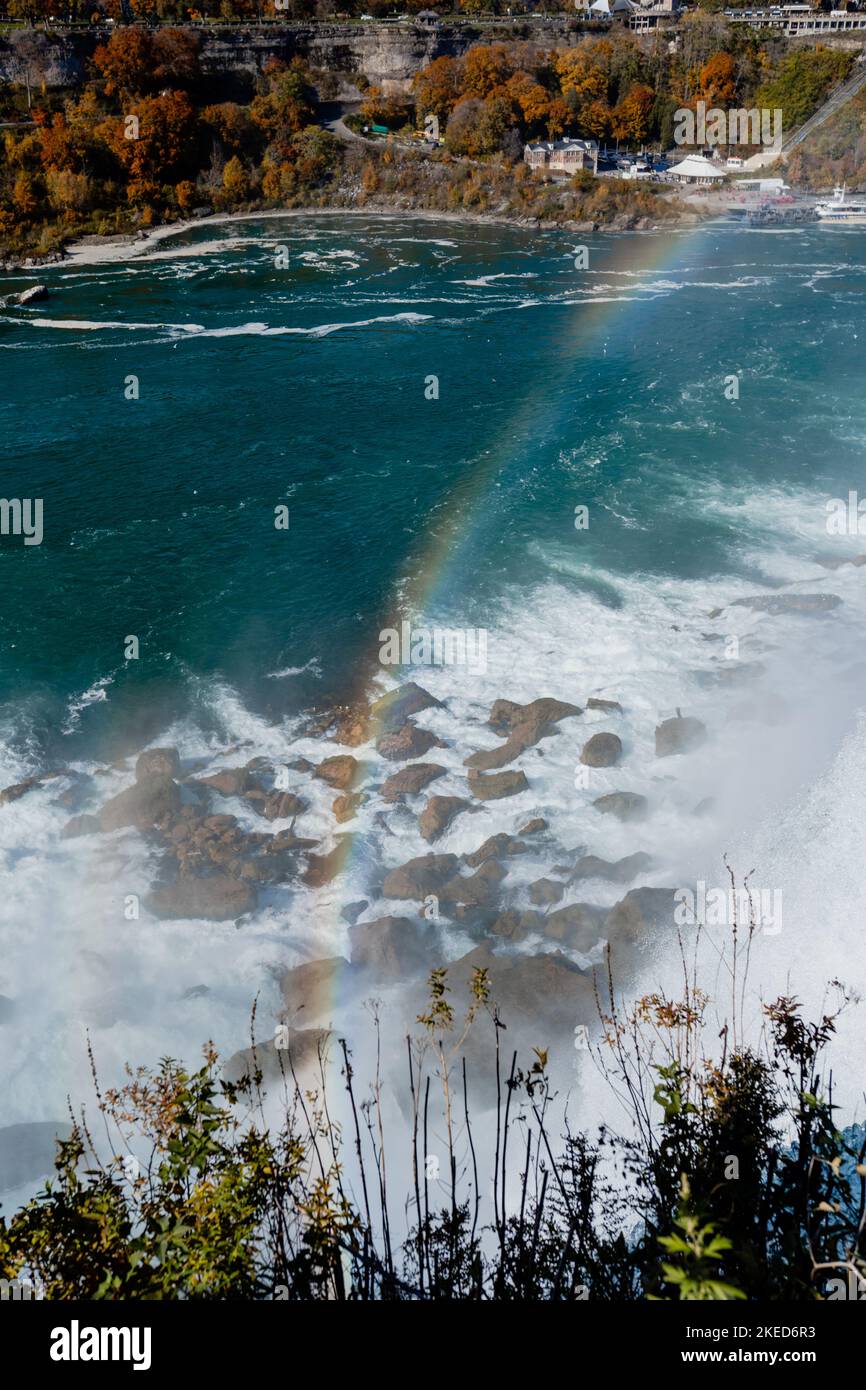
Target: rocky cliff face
387,54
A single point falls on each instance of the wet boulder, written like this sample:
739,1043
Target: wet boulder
276,805
613,871
680,734
324,868
157,762
18,789
291,1055
525,726
578,926
643,916
532,991
150,799
407,742
391,948
516,926
499,846
311,992
626,806
231,781
438,815
393,709
339,772
602,750
545,891
347,806
496,785
506,715
409,781
421,876
77,826
217,898
480,889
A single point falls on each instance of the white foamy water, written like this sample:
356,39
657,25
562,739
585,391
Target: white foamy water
784,766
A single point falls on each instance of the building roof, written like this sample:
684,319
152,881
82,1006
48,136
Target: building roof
567,144
696,166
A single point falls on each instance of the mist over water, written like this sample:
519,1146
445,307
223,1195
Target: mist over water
557,389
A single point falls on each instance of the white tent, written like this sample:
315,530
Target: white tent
612,7
695,168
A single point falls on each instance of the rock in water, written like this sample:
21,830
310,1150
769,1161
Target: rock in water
545,891
602,750
438,814
525,724
679,735
418,877
391,948
623,805
607,706
475,890
19,789
218,898
579,926
506,715
80,825
141,805
232,781
619,871
339,772
496,847
397,706
639,918
294,1055
407,742
31,296
410,780
497,785
347,805
313,990
154,762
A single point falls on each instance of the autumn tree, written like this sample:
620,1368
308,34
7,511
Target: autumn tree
595,119
439,87
530,98
166,146
630,117
486,67
236,181
580,74
232,127
125,63
717,80
175,58
287,107
379,109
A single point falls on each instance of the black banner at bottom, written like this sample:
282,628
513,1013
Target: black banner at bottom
82,1339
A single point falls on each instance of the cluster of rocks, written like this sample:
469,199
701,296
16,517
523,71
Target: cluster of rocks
214,867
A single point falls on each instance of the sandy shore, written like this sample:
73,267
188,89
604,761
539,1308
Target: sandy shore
103,250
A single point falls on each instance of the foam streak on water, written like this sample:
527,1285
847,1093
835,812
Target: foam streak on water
159,523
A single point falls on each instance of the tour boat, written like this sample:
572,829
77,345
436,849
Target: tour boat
841,209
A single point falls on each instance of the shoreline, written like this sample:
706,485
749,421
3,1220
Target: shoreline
133,246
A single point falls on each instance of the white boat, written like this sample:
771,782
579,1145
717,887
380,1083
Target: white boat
842,209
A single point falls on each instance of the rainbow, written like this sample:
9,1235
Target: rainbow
446,548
